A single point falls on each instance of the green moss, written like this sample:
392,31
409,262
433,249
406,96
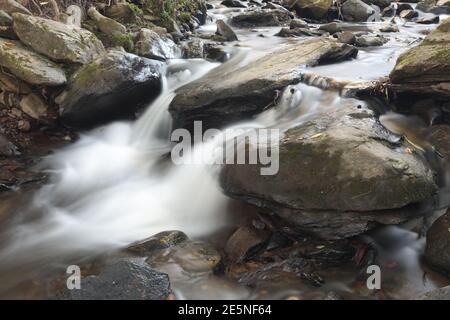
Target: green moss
123,40
87,73
181,10
138,11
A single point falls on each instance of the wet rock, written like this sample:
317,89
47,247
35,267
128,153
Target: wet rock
425,69
113,86
434,6
440,139
298,23
124,280
437,251
261,18
154,46
437,294
299,32
409,14
347,37
33,67
11,6
313,9
245,242
5,19
56,40
191,256
428,20
223,95
106,25
379,3
7,148
339,175
234,4
331,27
370,41
356,10
225,30
193,49
216,52
160,241
390,28
34,106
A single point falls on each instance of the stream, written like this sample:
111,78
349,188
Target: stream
115,186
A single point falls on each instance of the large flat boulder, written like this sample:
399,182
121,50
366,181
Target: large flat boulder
30,66
340,174
261,18
56,40
113,86
425,69
225,94
313,9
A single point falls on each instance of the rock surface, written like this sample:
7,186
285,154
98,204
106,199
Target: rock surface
124,280
265,18
356,10
56,40
151,45
33,68
11,6
113,86
220,98
340,173
416,70
313,9
437,251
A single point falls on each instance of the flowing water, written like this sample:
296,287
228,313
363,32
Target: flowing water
113,187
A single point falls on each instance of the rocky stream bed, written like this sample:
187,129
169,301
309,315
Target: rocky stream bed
90,92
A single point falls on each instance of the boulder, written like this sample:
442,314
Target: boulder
113,86
434,6
226,95
34,106
313,9
356,10
331,27
154,46
340,174
124,280
33,67
346,37
234,4
425,69
370,41
194,49
56,40
298,23
437,251
121,11
11,6
225,30
261,18
106,25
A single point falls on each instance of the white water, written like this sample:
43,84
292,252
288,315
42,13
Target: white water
110,189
